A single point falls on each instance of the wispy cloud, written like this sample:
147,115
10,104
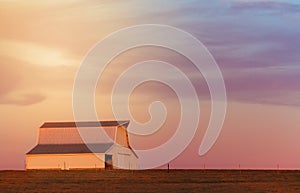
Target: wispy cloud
32,53
22,99
23,83
264,5
247,45
14,87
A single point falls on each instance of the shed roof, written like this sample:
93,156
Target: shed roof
70,148
85,124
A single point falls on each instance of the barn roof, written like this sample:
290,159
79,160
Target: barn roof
70,148
85,124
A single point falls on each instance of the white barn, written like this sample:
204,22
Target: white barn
61,147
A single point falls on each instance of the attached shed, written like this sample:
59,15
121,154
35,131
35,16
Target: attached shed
61,147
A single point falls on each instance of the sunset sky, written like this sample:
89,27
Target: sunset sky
256,44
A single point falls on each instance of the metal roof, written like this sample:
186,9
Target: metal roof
85,124
70,148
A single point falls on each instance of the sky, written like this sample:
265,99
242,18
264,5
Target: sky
256,44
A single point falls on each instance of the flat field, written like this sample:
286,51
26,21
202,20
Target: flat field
225,181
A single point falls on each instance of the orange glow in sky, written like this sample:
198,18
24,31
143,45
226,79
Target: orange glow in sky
42,44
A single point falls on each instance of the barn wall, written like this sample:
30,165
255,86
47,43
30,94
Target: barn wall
72,135
122,137
65,161
123,158
59,136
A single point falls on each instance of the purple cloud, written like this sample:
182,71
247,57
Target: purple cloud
274,6
257,50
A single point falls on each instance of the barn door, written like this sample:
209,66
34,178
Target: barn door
108,162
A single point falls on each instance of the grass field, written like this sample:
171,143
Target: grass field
151,181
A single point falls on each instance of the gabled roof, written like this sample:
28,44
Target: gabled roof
70,148
85,124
